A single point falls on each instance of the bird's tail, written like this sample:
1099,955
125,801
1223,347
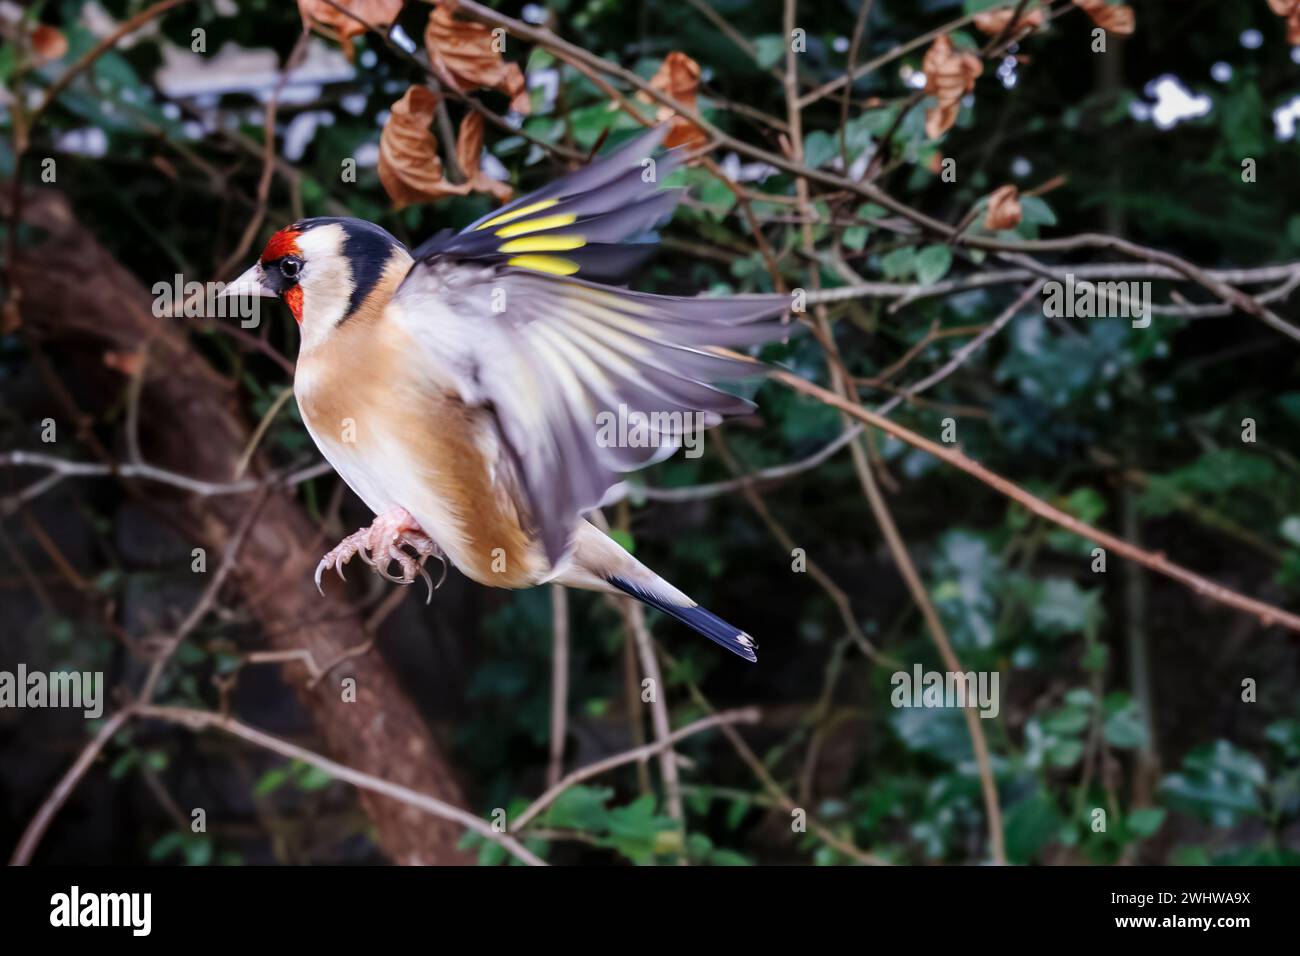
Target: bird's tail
692,615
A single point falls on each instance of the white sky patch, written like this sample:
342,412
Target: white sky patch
745,172
493,167
1021,167
548,81
1007,72
301,130
234,69
1284,118
840,44
91,141
398,36
367,155
534,13
1295,54
1222,72
1252,39
1174,103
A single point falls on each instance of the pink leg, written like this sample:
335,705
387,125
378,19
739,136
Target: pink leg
381,544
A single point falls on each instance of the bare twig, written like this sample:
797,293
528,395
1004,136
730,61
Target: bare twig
209,720
35,830
745,715
559,681
1267,614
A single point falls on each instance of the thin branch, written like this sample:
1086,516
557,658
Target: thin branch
64,469
31,837
962,354
559,681
744,715
209,720
634,618
1268,614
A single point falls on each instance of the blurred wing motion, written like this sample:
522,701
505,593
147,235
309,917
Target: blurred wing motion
506,309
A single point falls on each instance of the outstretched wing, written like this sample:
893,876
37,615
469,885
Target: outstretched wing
596,223
585,381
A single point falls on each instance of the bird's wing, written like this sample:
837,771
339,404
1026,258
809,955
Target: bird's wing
506,309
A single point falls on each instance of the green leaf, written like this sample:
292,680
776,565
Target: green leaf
271,781
1219,781
769,50
1146,821
580,808
313,778
932,264
819,148
855,237
1123,727
1034,210
1030,825
899,263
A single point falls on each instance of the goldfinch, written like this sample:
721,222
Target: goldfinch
463,390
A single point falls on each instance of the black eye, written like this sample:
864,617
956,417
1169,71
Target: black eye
290,266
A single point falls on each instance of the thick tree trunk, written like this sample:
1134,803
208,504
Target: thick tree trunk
75,294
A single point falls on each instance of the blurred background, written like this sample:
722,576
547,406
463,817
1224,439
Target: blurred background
180,146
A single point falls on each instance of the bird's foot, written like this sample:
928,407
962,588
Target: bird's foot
383,543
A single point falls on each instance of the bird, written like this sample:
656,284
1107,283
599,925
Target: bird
465,390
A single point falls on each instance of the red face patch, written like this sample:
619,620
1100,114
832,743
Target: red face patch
283,243
293,299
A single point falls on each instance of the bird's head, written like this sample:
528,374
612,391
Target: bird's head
327,270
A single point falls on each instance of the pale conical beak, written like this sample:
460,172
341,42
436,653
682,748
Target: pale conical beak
250,283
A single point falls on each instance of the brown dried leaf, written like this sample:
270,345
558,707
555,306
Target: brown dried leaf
949,75
378,13
1290,9
679,77
469,150
48,44
464,56
1113,18
994,21
1003,209
409,165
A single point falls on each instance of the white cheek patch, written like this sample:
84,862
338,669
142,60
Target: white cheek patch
326,282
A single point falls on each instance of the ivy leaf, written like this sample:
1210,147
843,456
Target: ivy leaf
899,263
1146,821
769,50
932,264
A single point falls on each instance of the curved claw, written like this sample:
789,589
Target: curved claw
428,582
384,543
382,571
